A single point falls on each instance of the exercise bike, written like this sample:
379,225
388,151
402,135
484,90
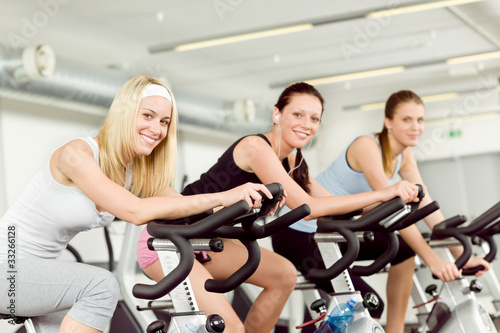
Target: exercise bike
456,308
182,311
386,218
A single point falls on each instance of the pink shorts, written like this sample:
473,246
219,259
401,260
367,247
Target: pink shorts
146,257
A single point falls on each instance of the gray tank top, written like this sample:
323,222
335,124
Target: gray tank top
47,215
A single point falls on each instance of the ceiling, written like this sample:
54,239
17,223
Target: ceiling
117,34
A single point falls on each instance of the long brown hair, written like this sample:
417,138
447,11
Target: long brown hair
403,96
301,174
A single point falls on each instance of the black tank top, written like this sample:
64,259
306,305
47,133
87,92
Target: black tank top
225,174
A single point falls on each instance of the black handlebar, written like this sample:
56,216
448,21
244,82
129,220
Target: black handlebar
389,254
443,230
249,232
411,218
416,216
163,228
347,216
481,226
249,236
188,219
488,257
262,231
391,251
179,234
483,220
343,263
277,192
452,222
369,221
286,220
218,224
486,235
242,274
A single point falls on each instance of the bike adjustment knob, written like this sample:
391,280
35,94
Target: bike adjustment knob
371,301
319,306
215,324
476,286
476,240
157,326
431,290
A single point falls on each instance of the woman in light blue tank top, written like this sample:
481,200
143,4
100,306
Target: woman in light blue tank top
380,158
371,163
340,179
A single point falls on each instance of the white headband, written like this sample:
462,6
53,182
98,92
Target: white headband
156,90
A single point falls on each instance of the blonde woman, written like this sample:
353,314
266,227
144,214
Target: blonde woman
125,172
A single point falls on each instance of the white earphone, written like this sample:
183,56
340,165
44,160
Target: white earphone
277,117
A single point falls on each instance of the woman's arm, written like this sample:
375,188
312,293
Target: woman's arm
255,155
409,170
364,154
74,165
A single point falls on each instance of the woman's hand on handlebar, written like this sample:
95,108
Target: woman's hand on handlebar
478,261
278,205
405,190
248,192
445,270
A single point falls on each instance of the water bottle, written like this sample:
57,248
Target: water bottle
339,318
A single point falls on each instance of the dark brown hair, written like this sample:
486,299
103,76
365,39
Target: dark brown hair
301,174
403,96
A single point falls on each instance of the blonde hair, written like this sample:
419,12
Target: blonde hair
397,98
118,142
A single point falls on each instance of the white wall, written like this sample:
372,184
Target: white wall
30,133
466,185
